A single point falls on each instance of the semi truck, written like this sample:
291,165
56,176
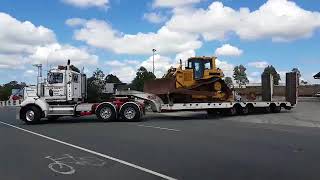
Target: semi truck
64,93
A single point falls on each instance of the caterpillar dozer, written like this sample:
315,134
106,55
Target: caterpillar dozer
199,81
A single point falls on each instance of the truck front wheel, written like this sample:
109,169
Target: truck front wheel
130,112
31,114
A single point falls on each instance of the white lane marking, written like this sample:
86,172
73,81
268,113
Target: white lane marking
95,153
156,127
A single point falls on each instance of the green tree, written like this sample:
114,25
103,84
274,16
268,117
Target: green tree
240,75
5,93
228,81
95,86
142,75
297,71
271,70
304,82
6,89
110,78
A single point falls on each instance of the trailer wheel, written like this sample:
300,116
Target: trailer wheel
276,109
245,110
106,112
212,112
231,111
267,109
130,112
288,107
31,114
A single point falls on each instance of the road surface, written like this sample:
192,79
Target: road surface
164,146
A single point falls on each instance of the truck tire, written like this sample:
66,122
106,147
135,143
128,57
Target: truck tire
106,112
130,112
31,114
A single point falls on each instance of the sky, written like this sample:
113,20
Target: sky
117,36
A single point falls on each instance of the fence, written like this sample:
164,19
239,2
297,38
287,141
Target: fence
10,103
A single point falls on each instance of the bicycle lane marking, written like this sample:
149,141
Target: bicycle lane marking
94,152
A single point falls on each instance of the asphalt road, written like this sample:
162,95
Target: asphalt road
164,146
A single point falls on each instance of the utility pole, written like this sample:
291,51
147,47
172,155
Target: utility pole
153,51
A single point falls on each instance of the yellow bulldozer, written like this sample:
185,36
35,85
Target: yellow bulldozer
199,81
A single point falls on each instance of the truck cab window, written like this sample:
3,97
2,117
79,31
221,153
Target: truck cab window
54,78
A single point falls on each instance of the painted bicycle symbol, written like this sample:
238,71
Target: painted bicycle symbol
61,165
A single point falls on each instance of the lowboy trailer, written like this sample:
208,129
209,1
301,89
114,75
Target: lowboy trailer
63,93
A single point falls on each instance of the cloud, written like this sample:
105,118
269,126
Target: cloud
174,3
115,63
100,34
12,61
184,56
23,43
22,37
255,74
56,54
228,50
161,64
87,3
73,22
226,67
155,18
131,62
259,64
124,73
279,20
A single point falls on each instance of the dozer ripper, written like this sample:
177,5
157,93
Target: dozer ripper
200,81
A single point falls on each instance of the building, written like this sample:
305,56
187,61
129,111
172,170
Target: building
317,76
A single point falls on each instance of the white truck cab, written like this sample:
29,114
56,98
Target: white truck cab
63,89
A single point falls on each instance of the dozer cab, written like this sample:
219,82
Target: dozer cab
199,81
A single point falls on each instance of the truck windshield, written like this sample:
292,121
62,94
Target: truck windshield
54,78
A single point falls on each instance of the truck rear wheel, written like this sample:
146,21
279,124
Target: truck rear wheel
31,114
130,112
106,112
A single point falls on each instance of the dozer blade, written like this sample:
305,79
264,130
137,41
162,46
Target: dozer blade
160,86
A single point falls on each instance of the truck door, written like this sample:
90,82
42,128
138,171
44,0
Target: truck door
76,85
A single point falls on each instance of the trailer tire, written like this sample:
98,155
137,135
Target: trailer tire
106,112
212,112
276,109
231,111
31,114
130,112
245,110
267,109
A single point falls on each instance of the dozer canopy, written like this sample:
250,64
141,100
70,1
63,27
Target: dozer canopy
199,65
